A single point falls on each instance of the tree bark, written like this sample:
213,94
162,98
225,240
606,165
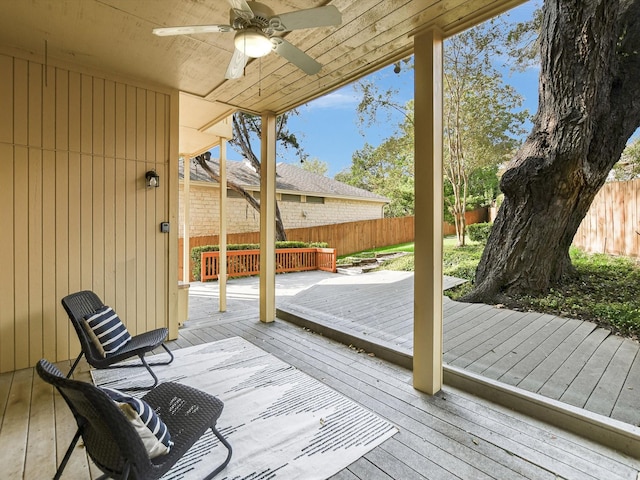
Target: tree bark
589,106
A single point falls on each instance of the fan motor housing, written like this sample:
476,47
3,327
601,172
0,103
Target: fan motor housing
261,16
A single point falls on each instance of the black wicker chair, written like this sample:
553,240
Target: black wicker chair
112,442
80,304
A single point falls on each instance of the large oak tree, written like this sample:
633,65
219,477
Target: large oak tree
589,106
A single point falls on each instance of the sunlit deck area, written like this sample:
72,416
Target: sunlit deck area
450,435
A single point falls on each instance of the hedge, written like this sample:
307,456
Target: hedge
196,252
479,232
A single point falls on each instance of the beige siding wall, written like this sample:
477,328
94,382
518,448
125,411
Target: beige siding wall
74,210
203,212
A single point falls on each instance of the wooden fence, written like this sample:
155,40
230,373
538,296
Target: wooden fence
479,215
346,238
247,262
612,223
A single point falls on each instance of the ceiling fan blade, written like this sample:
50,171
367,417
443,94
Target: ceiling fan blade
308,18
242,9
190,29
296,56
236,65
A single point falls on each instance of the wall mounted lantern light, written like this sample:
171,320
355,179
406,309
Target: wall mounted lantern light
153,179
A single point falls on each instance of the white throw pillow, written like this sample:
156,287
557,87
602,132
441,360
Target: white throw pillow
152,430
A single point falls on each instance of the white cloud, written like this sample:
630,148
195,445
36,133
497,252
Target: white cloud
344,98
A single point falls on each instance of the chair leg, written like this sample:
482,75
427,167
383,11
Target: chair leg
67,455
155,378
75,364
226,461
165,362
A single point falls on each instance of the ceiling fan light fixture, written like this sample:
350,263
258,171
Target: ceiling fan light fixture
253,42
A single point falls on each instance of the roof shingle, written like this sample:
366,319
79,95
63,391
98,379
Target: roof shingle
289,178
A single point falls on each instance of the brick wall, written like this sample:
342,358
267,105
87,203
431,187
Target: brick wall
243,218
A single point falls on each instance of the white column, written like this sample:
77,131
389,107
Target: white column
427,338
268,219
222,234
172,211
186,202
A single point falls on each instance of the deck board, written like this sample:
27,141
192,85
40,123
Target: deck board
41,445
626,408
5,387
586,381
15,425
555,358
605,394
540,350
522,352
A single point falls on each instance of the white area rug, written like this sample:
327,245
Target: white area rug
281,423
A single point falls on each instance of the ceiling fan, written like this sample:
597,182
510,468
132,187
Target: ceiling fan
257,26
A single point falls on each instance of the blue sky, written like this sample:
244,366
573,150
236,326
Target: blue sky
327,128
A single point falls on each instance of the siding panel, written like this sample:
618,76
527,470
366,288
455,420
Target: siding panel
21,256
36,259
35,105
7,314
74,150
6,100
48,240
62,244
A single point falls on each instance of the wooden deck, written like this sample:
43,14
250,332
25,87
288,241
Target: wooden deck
564,359
452,435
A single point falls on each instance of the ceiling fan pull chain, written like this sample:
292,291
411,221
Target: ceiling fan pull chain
260,77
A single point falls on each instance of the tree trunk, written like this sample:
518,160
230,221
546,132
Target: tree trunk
589,106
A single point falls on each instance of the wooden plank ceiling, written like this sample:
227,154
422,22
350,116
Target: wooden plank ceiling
115,36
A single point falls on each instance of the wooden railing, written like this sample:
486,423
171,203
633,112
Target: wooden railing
247,262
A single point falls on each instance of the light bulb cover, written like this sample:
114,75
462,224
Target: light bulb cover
253,42
152,179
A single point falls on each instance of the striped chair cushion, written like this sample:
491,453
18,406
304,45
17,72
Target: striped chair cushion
106,330
152,430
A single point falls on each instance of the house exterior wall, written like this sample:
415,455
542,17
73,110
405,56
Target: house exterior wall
203,212
74,208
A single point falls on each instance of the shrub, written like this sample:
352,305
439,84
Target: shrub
196,252
479,232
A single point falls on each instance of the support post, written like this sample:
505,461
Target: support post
427,338
222,237
268,219
173,213
186,212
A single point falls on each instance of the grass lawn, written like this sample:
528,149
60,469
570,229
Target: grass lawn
606,289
